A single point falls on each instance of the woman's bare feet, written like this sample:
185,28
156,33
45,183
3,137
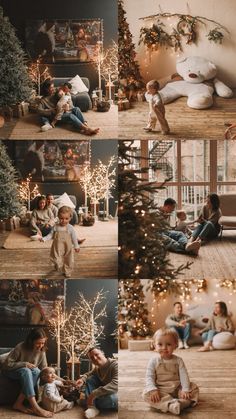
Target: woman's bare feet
21,408
204,348
90,131
38,411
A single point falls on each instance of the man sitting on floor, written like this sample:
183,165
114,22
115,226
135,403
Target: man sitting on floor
180,322
100,384
176,241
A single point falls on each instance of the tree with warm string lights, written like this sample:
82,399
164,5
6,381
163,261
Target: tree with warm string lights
9,194
129,73
15,85
142,253
132,310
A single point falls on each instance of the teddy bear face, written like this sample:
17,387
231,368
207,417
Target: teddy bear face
195,69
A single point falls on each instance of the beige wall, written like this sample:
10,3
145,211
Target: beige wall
161,309
163,62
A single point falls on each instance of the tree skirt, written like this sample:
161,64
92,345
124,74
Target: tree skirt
28,127
101,234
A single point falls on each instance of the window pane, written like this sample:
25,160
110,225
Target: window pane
195,161
193,197
163,160
226,156
222,189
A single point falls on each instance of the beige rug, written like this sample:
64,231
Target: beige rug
101,234
28,127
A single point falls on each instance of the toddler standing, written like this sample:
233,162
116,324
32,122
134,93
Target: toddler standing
156,108
51,398
64,242
167,383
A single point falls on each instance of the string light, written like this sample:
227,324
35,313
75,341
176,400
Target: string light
27,191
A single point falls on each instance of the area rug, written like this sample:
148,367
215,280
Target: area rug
101,234
28,127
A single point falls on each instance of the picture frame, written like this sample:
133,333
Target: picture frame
52,161
29,302
64,41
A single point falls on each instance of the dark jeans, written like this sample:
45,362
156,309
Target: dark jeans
183,332
75,117
44,230
206,231
104,402
28,379
175,241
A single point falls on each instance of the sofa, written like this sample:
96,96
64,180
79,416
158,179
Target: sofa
74,219
9,390
81,100
228,209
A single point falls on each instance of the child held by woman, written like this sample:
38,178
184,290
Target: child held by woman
168,387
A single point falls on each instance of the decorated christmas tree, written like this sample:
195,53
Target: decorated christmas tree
9,194
142,253
15,85
129,73
133,312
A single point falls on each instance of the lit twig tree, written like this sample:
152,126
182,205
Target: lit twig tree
56,324
98,182
109,66
80,328
27,191
38,74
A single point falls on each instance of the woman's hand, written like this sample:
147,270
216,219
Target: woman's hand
155,396
30,366
79,382
184,395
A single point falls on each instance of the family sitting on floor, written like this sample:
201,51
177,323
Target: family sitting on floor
49,223
57,105
182,239
27,364
168,387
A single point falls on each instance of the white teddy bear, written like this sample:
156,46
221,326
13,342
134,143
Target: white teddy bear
198,84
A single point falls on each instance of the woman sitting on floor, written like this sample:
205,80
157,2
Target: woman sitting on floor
220,321
23,364
42,219
209,227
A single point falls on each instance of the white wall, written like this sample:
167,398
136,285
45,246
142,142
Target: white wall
163,61
214,293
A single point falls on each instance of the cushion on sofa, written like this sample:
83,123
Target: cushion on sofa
62,200
78,85
224,340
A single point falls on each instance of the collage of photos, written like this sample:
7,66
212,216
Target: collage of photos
117,209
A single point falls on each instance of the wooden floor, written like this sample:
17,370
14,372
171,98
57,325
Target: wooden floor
90,263
75,413
184,122
216,260
28,128
214,373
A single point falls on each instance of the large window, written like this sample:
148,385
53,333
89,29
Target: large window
191,170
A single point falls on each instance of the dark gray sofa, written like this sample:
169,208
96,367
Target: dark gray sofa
82,100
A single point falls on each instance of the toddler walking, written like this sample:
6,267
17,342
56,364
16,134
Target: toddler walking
156,108
167,387
51,398
64,242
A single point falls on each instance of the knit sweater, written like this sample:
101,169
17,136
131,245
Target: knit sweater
210,215
20,356
108,375
44,216
219,322
174,320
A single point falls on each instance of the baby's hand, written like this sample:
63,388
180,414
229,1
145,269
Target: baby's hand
184,395
77,250
155,396
41,240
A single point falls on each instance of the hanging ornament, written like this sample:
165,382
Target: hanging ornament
186,27
215,35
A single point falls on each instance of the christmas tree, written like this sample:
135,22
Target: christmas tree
133,312
15,85
9,194
129,73
142,253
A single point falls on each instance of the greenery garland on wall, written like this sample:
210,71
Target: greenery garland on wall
184,288
157,36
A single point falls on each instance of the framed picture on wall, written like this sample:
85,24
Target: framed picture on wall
58,41
29,302
52,161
